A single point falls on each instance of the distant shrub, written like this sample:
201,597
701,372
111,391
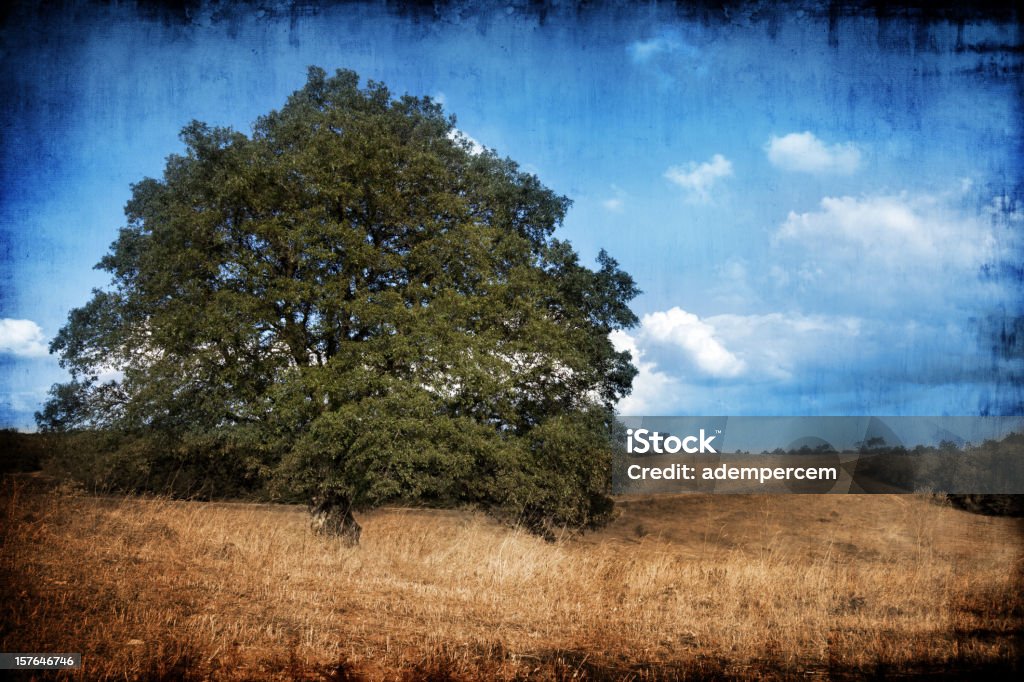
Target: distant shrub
197,467
21,452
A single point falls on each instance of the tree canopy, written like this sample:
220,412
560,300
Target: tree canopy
352,302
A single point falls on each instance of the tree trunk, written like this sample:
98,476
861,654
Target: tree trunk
332,516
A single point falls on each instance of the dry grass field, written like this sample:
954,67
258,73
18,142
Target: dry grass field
687,587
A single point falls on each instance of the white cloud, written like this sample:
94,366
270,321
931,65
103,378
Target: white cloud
694,339
867,300
754,347
698,179
653,391
23,338
107,374
615,203
916,232
460,136
775,346
665,56
683,359
909,255
642,51
806,153
732,288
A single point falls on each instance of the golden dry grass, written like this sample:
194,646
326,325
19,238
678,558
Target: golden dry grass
687,587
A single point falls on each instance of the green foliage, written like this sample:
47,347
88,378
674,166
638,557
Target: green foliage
351,301
204,468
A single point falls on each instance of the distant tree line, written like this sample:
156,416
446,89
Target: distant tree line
996,466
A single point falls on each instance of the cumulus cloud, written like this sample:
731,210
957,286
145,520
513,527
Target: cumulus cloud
684,361
460,136
653,391
777,346
698,179
915,232
866,303
806,153
904,256
22,338
694,339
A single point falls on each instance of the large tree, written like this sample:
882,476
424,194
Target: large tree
357,305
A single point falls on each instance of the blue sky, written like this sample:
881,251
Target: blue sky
823,221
